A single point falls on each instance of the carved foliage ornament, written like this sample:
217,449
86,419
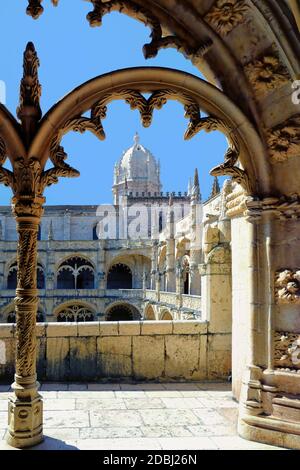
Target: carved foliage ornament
229,167
287,350
284,140
267,74
131,8
287,286
225,15
30,90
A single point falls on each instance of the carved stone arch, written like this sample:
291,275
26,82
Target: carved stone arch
166,315
195,94
122,311
82,309
150,313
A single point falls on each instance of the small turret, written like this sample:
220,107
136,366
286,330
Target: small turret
215,188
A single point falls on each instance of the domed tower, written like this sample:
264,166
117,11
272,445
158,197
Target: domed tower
137,172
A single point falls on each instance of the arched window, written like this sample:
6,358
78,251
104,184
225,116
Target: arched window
160,222
76,313
186,275
95,234
123,312
119,277
12,277
39,234
167,316
76,273
40,277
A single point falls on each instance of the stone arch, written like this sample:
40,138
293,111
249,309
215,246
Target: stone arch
166,315
164,84
150,313
122,311
119,276
75,311
75,272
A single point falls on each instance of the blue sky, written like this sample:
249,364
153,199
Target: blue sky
71,52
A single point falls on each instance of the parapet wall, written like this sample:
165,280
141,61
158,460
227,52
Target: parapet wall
150,350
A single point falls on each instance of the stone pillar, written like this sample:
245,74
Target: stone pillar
154,264
25,406
195,277
157,285
67,226
101,265
170,268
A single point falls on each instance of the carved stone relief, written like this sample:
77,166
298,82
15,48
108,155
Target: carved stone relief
266,74
284,140
287,350
287,286
226,15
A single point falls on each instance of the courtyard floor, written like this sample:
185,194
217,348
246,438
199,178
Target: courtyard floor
176,416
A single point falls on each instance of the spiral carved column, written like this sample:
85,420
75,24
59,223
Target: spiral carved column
25,406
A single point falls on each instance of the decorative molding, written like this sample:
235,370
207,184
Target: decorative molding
287,286
226,15
284,140
229,167
287,350
266,74
158,41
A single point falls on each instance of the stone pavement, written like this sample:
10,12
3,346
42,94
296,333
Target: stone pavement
179,416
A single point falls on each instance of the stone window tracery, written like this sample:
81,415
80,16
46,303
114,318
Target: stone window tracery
76,313
76,273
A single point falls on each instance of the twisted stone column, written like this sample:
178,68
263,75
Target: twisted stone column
25,406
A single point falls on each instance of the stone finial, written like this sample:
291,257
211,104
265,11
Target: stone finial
215,187
195,193
136,138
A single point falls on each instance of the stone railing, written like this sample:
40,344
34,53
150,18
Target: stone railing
125,293
160,351
192,302
189,302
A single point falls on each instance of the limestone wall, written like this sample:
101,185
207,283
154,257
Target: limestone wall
181,350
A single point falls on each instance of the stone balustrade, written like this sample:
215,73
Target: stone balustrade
93,351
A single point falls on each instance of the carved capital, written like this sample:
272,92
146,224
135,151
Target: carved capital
287,286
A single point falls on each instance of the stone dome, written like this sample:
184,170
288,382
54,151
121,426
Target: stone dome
137,164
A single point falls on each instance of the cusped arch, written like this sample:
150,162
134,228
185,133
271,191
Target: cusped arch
150,313
122,311
75,311
163,84
166,315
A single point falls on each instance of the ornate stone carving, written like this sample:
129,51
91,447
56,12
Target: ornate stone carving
287,286
229,167
158,41
284,140
34,8
266,74
287,350
225,15
30,90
